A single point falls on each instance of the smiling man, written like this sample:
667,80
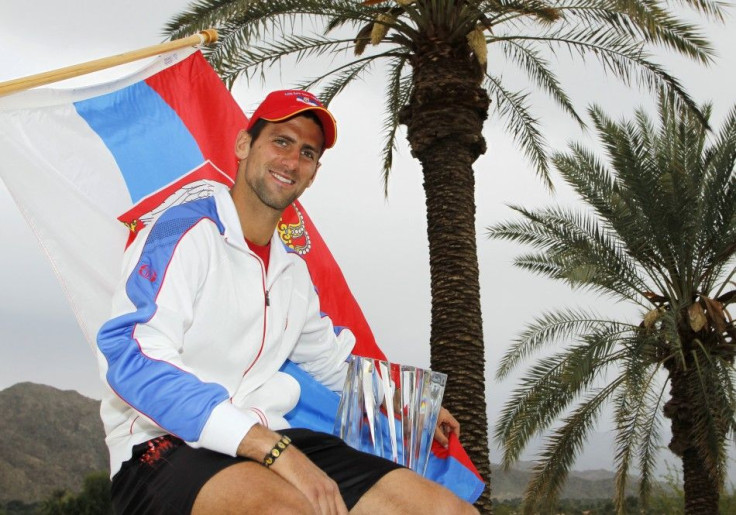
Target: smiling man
210,307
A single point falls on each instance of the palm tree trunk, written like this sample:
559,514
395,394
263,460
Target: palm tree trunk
700,487
701,492
444,119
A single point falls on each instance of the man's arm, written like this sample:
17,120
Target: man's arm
141,342
322,348
294,467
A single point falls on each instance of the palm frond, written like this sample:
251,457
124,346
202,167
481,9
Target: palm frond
550,328
204,14
342,76
619,210
713,10
618,55
649,444
638,419
257,59
500,12
717,228
548,388
562,448
585,253
524,128
539,70
648,22
250,19
709,412
398,92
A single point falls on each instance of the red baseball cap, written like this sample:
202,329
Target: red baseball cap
283,104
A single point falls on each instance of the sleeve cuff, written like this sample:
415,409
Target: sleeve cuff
225,429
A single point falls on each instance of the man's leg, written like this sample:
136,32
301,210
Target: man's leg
374,485
405,492
248,487
164,475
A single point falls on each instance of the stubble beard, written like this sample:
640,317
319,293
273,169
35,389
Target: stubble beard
268,198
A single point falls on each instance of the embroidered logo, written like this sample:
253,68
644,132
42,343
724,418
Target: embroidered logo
308,100
155,448
134,225
147,272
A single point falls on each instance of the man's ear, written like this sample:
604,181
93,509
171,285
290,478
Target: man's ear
242,144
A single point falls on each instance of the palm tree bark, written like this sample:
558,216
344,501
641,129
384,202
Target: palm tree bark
701,492
700,487
444,120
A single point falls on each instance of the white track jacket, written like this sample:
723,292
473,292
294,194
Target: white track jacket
199,332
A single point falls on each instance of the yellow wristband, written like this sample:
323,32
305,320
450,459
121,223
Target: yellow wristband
272,455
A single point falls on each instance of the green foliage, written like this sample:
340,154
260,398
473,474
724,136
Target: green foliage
19,508
255,35
658,231
667,499
586,507
94,499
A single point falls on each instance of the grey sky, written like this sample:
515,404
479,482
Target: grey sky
380,244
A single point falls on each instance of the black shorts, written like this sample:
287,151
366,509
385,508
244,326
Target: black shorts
164,475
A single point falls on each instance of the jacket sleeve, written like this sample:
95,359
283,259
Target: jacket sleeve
141,342
322,349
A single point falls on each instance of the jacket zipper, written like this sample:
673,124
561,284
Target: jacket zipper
267,303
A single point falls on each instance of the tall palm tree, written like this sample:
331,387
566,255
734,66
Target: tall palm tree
658,230
434,54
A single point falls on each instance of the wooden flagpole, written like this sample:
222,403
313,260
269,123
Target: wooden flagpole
205,37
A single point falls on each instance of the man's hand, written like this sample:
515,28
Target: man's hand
321,491
294,467
446,424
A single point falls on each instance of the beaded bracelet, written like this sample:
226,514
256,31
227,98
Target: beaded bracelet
274,453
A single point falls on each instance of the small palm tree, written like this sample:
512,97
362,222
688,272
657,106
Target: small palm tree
659,231
438,83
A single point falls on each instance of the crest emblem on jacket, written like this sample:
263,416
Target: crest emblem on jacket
292,231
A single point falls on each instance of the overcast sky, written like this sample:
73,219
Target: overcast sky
380,243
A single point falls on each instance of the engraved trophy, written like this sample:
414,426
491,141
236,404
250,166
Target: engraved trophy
390,410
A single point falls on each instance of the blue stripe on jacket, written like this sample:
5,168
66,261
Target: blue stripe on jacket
176,400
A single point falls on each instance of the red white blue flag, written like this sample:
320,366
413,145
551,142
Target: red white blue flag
89,167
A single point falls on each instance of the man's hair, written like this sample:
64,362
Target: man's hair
259,124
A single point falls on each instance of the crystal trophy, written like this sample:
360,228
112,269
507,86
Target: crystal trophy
390,410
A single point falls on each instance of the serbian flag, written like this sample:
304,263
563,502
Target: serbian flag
89,167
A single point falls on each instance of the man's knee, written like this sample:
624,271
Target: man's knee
444,501
285,502
403,491
249,488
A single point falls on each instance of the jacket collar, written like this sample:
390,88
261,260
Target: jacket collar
279,258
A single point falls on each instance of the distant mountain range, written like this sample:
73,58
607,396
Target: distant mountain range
586,484
51,439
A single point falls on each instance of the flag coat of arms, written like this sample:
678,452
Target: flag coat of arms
89,167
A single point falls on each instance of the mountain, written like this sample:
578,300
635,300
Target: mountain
50,439
585,484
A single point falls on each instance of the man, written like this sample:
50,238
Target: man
210,309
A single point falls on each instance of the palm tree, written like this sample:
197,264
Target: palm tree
658,231
434,54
